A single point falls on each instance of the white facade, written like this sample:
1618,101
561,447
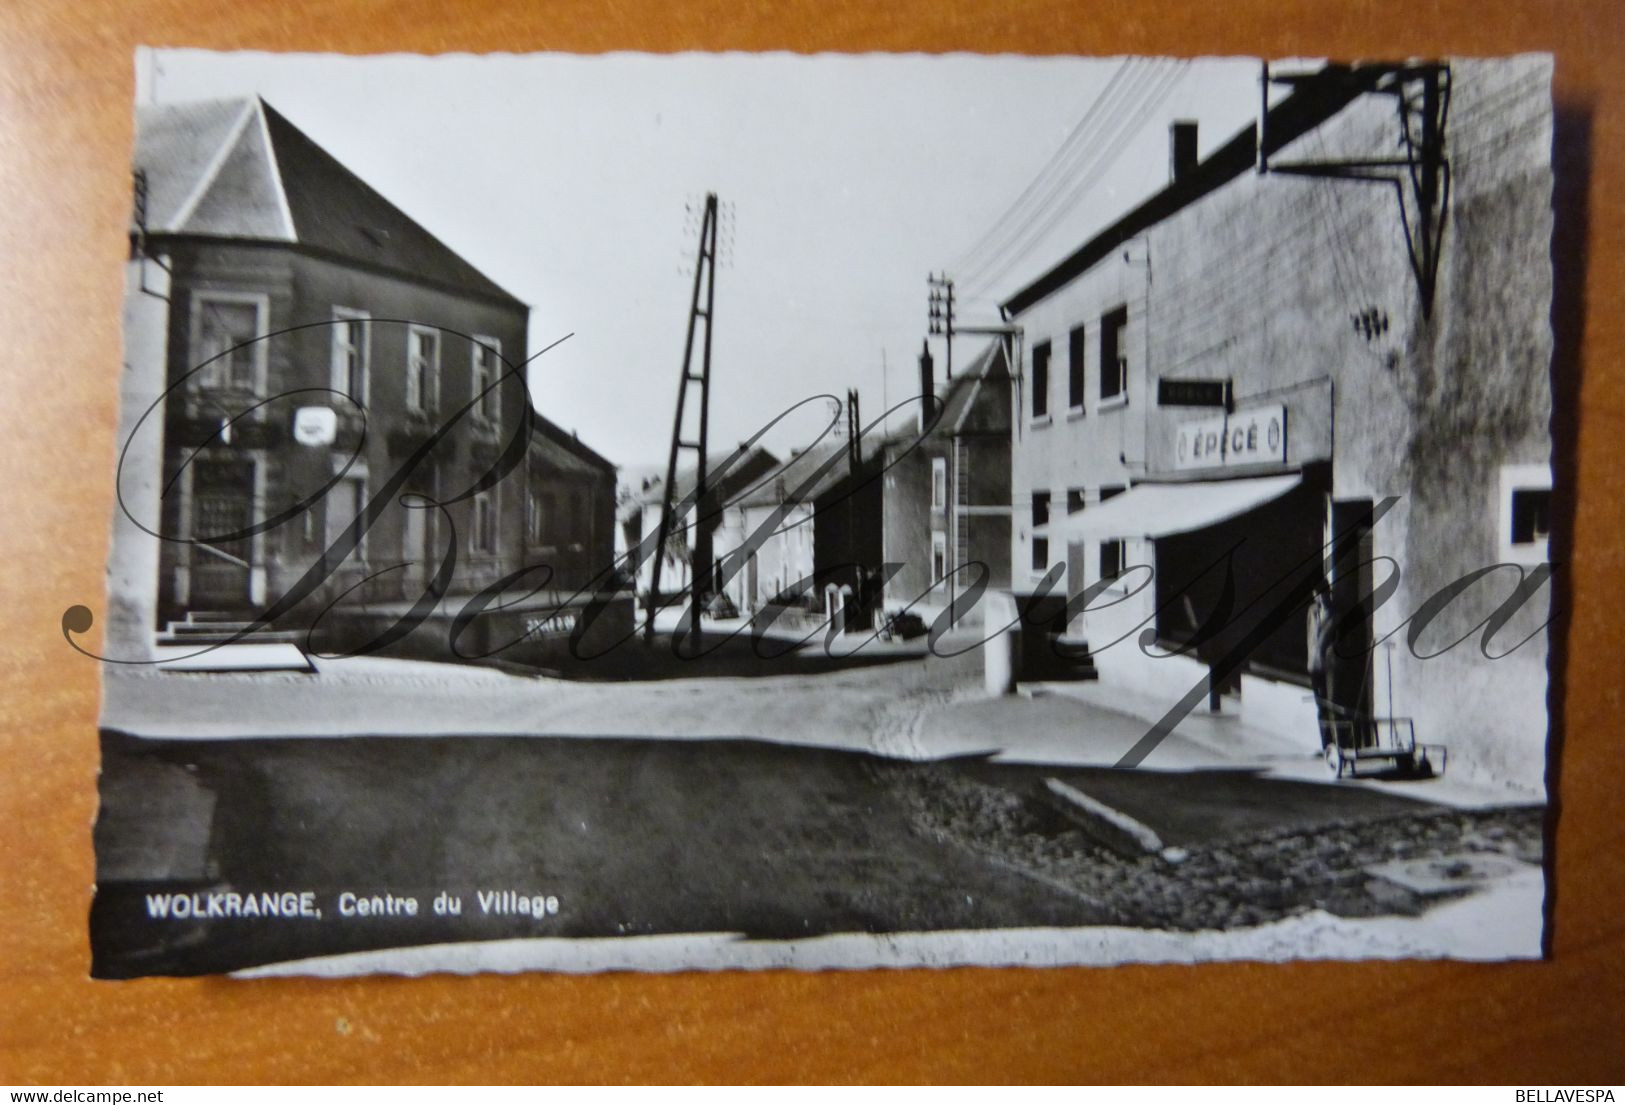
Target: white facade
1300,293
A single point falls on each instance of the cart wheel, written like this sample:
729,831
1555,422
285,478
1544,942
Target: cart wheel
1406,764
1334,759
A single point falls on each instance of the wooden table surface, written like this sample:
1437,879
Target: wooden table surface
65,93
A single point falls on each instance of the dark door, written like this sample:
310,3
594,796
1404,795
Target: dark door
1350,667
222,508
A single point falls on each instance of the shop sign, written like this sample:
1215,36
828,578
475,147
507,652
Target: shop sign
315,425
1256,436
1173,392
553,625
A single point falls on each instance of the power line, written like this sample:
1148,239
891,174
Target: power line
1050,185
1102,160
994,232
1125,133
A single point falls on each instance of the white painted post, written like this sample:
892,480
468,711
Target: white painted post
1001,654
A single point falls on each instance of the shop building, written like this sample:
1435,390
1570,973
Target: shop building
1264,376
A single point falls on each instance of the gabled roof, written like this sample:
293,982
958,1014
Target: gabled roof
742,473
557,448
238,169
785,483
960,413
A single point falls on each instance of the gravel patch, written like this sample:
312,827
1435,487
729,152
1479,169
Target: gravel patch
1262,878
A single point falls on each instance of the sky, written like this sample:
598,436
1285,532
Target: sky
846,180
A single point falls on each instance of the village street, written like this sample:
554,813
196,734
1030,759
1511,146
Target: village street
894,797
893,699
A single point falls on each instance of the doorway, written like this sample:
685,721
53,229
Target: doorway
222,509
1350,674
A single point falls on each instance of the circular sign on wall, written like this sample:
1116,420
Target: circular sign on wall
315,425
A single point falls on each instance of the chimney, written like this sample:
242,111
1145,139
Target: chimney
1181,148
928,385
854,429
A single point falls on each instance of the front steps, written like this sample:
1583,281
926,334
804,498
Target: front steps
206,641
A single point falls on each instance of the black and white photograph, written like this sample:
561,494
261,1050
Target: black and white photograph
716,511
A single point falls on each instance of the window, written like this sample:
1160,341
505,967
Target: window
536,512
487,371
580,520
1111,559
1111,552
1114,356
1531,515
225,351
939,482
1041,380
1074,499
1074,370
1040,518
351,336
484,537
1526,513
939,556
422,369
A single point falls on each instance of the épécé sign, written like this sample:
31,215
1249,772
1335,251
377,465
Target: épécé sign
1255,436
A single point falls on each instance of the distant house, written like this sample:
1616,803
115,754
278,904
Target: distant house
947,490
780,557
775,518
848,506
911,505
328,359
733,475
823,550
570,507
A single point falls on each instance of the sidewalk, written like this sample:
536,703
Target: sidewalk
1093,724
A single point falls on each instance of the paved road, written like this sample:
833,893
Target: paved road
630,836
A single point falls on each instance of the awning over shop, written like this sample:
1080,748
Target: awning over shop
1163,509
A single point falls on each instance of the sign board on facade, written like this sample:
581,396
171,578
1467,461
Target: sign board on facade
315,425
1173,392
1256,436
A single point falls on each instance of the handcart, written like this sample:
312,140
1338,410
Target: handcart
1352,741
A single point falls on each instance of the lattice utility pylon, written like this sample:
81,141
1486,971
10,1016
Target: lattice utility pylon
704,514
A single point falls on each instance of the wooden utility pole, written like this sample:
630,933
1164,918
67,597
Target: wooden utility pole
942,316
704,510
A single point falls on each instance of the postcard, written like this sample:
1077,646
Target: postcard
680,512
